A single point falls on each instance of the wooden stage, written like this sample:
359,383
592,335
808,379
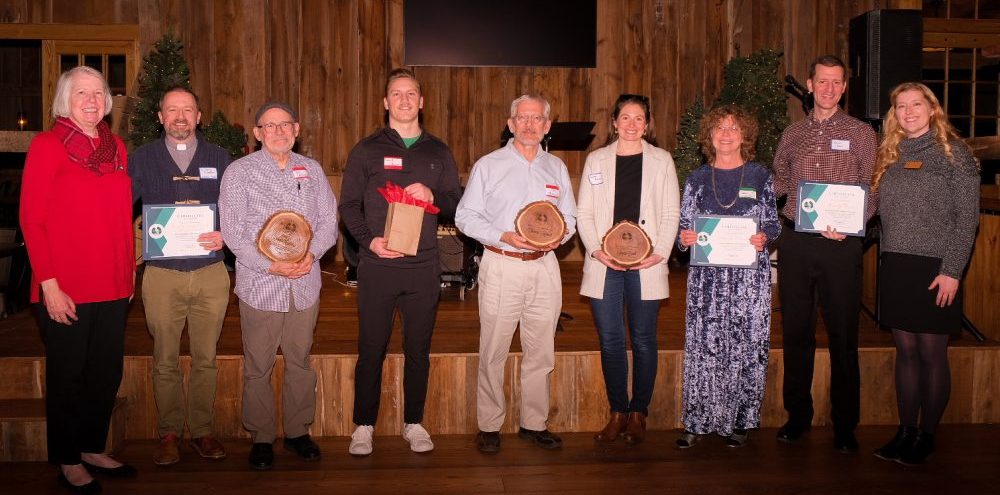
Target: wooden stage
578,401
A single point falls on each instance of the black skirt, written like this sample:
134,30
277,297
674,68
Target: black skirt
904,301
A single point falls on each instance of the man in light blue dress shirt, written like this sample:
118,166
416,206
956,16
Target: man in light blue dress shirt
518,283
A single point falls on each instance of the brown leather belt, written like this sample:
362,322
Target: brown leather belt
531,256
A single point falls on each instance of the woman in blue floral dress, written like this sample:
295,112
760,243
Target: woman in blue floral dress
728,309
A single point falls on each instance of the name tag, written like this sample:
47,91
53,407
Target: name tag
552,191
596,179
208,173
840,145
299,172
392,163
748,192
914,165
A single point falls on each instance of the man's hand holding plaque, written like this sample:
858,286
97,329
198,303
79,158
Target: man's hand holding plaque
539,226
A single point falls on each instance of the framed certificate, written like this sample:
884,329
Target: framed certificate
840,206
171,231
724,241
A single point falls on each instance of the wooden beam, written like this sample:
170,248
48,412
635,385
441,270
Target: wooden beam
77,32
961,33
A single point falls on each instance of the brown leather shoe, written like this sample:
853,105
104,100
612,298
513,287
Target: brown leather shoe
166,452
635,430
613,429
208,447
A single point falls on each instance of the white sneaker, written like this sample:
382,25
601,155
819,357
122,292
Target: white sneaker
361,441
417,436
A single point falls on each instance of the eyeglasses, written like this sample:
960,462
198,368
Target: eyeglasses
524,118
271,127
731,128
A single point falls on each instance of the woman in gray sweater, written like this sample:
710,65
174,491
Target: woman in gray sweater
928,186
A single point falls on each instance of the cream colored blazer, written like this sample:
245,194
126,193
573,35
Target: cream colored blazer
659,213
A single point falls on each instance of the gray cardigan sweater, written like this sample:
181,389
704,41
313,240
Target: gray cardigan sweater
932,210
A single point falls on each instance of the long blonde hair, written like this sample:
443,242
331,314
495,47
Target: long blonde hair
893,133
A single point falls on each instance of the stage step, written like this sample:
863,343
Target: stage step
22,429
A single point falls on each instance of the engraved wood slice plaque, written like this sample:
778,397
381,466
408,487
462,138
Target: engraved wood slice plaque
540,223
285,237
626,243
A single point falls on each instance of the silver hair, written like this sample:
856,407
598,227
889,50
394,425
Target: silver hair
523,98
61,103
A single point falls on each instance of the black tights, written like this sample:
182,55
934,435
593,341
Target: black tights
923,378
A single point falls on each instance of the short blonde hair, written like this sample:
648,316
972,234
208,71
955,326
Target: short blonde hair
61,104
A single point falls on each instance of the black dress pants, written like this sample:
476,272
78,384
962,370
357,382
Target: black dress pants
812,268
83,370
381,290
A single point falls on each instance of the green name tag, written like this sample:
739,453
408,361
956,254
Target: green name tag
748,192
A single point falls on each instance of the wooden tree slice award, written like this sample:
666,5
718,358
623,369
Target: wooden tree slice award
540,223
626,243
285,237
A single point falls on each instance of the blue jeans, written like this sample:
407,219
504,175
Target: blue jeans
622,290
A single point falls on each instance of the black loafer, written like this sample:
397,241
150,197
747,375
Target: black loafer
792,432
123,471
303,447
262,456
544,438
488,442
91,488
845,443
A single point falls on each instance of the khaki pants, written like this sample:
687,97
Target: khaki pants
263,333
170,299
513,292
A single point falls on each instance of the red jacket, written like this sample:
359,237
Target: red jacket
77,225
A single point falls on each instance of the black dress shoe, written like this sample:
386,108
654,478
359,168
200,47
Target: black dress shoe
488,442
904,438
845,443
91,488
303,447
262,456
544,438
791,432
123,471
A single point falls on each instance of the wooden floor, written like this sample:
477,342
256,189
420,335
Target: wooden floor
965,463
456,331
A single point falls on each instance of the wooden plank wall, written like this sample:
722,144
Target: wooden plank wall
330,58
578,401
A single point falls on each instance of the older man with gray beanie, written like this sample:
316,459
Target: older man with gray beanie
279,299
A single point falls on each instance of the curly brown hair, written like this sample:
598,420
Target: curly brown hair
744,120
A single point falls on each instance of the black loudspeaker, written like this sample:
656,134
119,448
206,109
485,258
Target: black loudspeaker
885,50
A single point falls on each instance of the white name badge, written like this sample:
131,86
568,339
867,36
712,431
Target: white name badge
208,173
596,179
840,145
748,192
552,191
299,172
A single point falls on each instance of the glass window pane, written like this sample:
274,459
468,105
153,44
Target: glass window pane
959,98
67,61
960,64
94,61
116,74
933,64
986,99
961,125
937,88
986,127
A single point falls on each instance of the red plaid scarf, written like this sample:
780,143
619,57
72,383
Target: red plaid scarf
101,158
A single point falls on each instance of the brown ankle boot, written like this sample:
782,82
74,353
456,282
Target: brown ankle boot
613,429
635,430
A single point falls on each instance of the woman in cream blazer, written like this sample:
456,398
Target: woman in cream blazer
629,179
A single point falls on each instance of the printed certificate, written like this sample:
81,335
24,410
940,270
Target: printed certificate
171,231
724,241
840,206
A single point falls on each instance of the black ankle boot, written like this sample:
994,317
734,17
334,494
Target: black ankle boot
919,451
904,438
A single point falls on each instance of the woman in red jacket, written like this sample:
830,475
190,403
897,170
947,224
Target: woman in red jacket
76,209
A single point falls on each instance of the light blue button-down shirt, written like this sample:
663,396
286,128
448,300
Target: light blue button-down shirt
501,183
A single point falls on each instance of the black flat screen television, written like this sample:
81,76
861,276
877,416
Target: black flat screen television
543,33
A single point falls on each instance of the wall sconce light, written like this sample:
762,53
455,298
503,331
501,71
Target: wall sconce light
22,120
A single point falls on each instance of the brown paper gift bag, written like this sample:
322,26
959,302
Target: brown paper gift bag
402,228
